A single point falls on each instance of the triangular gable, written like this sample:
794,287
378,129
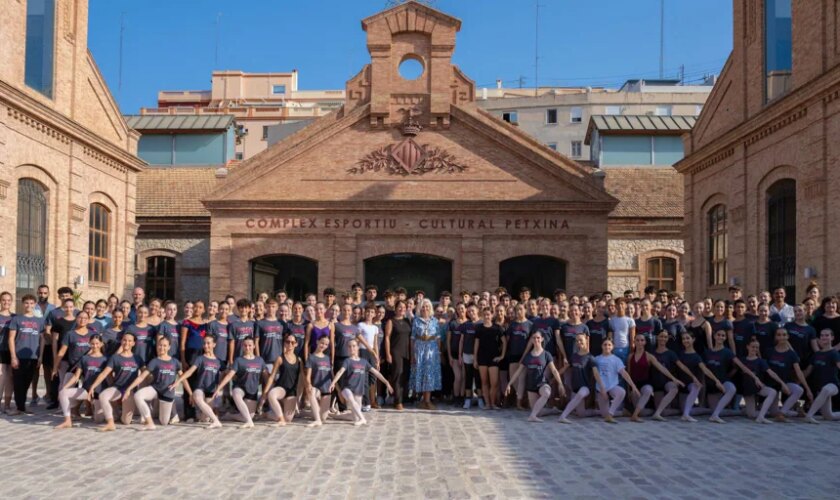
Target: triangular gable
96,108
723,110
423,139
410,16
477,159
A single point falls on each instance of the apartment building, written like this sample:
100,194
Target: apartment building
558,117
256,100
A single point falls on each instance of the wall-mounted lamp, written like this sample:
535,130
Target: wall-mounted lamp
2,271
734,281
810,273
79,281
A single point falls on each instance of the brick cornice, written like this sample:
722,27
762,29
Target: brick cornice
773,118
22,104
413,206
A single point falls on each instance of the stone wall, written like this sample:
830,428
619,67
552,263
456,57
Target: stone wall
624,253
627,256
618,284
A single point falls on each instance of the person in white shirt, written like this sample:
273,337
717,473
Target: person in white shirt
624,329
371,332
780,307
610,368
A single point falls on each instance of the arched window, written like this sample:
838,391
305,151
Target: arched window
662,273
781,236
31,268
160,277
718,245
99,243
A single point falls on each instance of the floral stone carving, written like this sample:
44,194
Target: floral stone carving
408,158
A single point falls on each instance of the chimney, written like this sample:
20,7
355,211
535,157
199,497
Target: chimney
221,173
498,84
600,175
484,93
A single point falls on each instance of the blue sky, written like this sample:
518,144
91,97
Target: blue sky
171,44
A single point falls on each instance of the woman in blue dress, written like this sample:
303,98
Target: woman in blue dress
425,354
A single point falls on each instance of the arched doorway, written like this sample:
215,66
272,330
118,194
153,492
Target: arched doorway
412,271
31,262
541,273
781,236
293,273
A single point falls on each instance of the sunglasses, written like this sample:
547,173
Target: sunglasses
289,341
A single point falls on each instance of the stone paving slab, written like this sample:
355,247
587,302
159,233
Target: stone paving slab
450,453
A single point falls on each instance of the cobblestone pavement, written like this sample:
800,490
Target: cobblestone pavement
450,453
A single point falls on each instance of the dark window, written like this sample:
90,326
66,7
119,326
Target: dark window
40,27
510,116
778,46
31,268
265,132
413,271
551,116
160,277
781,236
541,273
99,243
718,245
297,275
662,273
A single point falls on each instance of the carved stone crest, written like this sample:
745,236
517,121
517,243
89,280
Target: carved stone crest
407,157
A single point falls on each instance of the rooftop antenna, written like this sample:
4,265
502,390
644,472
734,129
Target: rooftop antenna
218,30
661,39
122,35
537,51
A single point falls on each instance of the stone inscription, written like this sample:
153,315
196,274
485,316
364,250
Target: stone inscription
385,223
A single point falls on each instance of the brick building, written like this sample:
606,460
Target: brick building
408,183
507,161
67,164
762,160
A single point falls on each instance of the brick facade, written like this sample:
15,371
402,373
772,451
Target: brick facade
75,145
742,145
480,208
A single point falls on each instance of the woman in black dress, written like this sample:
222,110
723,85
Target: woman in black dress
490,347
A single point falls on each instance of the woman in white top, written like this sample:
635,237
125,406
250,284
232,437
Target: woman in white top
610,367
624,329
371,333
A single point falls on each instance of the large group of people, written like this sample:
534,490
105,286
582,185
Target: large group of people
341,355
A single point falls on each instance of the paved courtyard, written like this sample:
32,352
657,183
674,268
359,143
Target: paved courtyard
416,454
